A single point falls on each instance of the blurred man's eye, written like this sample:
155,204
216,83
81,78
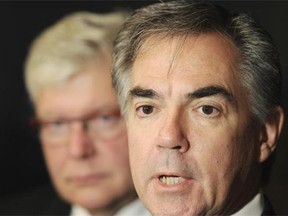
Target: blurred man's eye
104,120
55,126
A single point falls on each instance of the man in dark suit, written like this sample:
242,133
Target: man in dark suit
83,135
43,200
199,88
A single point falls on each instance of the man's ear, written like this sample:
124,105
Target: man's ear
270,133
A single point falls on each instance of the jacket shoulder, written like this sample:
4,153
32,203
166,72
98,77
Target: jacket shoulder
42,200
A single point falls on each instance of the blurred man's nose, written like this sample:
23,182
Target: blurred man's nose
79,143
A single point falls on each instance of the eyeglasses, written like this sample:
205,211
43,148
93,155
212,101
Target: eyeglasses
105,125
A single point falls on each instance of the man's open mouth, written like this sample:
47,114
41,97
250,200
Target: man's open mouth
171,180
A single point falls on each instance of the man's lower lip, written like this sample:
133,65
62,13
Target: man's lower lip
89,179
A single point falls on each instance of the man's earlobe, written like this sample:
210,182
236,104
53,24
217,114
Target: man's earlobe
270,133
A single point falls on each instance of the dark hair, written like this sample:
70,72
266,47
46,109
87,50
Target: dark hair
259,67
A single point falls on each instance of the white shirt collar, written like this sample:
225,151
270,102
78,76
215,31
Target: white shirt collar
79,211
132,209
254,207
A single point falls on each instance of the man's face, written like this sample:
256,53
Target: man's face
88,165
191,144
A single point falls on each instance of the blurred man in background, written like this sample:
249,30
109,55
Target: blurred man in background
83,135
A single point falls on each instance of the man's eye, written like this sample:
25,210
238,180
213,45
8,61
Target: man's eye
208,111
55,126
145,110
106,119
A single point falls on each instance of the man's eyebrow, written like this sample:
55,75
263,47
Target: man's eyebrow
198,93
141,92
210,91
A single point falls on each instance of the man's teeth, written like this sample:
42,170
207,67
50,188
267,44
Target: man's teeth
169,180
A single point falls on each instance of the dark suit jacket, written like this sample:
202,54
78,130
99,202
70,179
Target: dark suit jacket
268,209
38,201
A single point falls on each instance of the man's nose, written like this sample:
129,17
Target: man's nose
172,132
80,144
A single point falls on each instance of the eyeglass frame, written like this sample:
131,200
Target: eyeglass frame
35,122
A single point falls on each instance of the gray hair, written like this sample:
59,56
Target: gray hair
259,68
64,48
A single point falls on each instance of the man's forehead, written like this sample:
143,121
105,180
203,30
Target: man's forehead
178,42
205,55
209,51
180,66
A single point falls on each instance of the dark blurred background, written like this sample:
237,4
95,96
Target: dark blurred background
21,162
